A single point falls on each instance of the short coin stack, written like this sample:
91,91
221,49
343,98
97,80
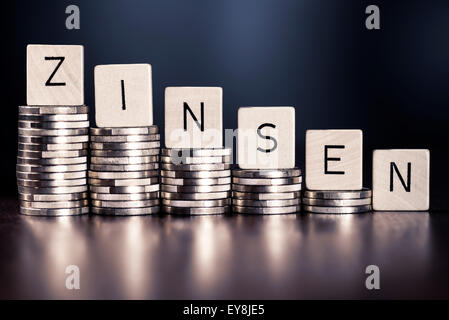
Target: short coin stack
196,181
52,160
337,202
124,170
266,191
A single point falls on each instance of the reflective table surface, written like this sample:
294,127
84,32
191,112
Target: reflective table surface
304,256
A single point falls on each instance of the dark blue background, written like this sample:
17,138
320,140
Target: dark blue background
315,55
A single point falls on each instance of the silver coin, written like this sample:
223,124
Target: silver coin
266,203
124,131
266,173
51,175
53,132
127,138
125,204
196,174
52,147
195,181
348,194
192,189
54,212
196,196
124,153
125,172
123,182
54,117
336,203
120,175
196,211
54,204
124,189
124,160
124,145
125,167
55,190
195,160
266,181
196,203
125,211
275,189
52,161
53,109
266,196
337,210
206,152
51,154
26,124
195,167
54,140
52,183
53,197
125,197
266,210
40,168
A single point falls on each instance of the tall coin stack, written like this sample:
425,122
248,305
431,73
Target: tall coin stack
124,170
196,181
337,202
52,160
266,191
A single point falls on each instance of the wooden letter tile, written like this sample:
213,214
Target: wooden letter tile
266,137
334,159
194,117
401,179
55,75
123,95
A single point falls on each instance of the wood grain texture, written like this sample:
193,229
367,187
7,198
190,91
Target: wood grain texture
392,193
55,75
211,98
344,159
123,95
277,123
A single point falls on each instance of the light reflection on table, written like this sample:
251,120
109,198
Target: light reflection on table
220,257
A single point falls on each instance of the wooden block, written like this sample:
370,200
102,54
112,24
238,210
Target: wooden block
55,75
334,159
266,137
193,117
401,179
123,95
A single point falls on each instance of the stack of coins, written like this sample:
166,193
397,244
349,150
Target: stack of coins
196,181
337,202
124,170
52,160
266,191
